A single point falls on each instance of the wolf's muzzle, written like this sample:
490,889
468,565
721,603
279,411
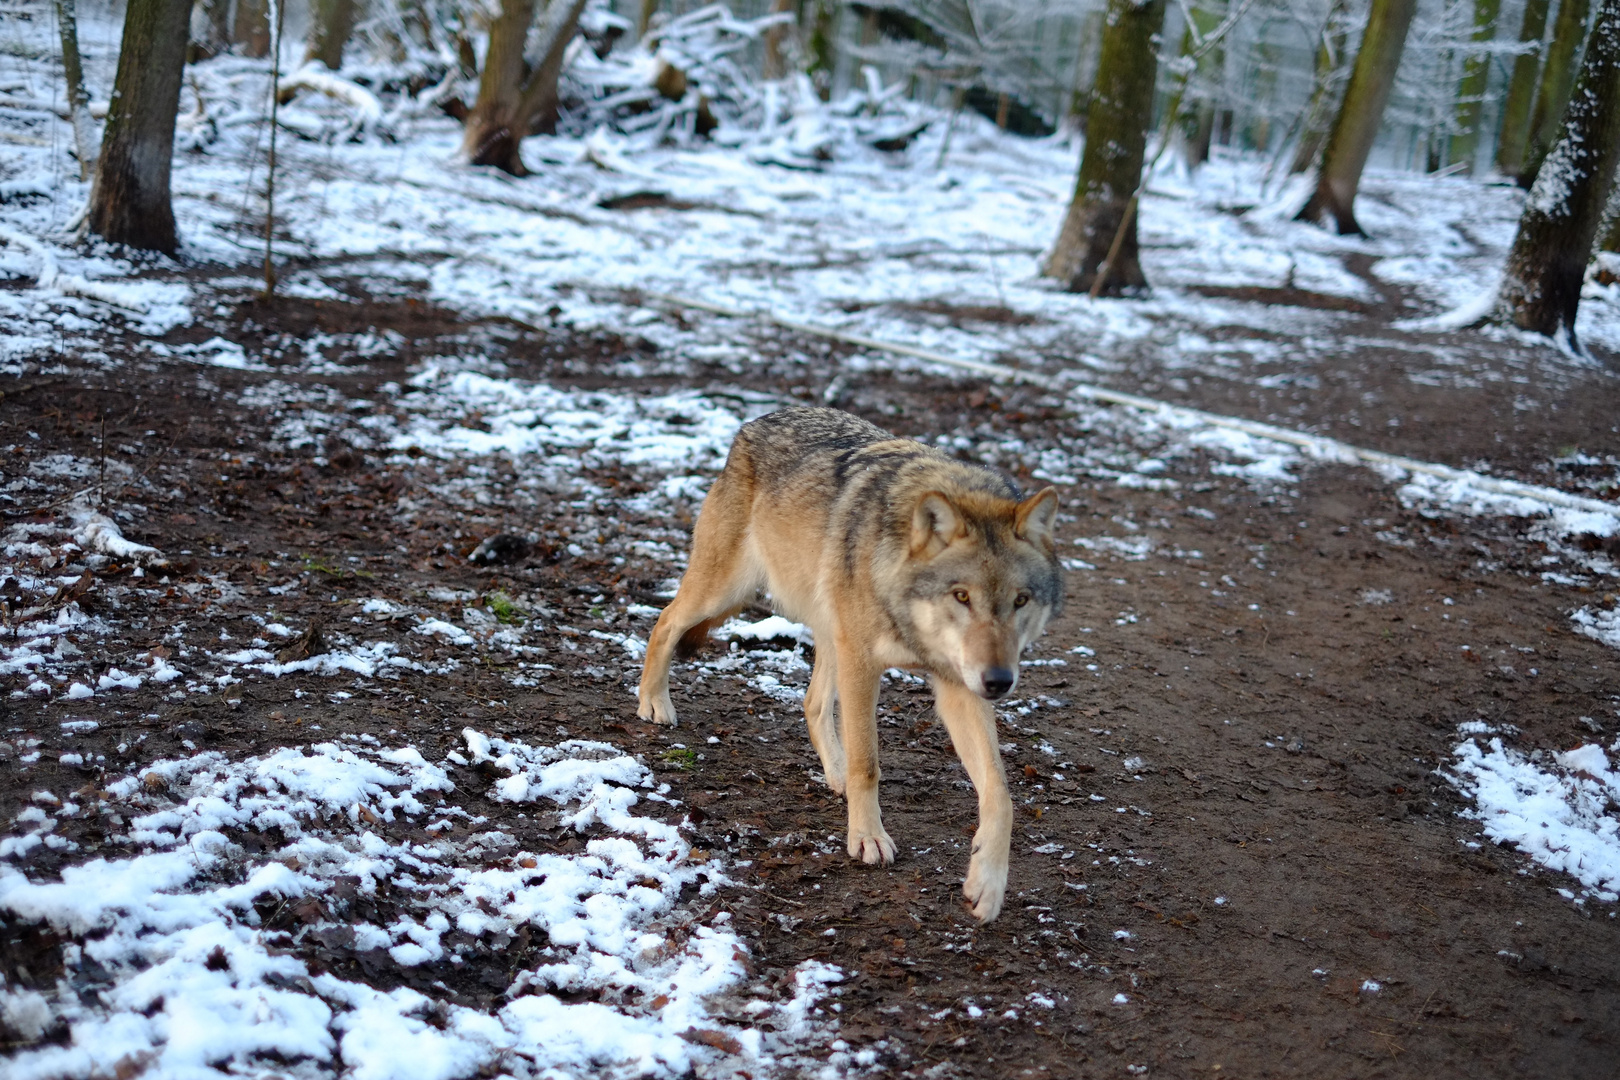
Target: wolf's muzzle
997,681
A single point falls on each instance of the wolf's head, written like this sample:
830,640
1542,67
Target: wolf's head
984,580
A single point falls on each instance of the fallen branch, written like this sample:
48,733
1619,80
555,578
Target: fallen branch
368,110
97,532
51,279
97,109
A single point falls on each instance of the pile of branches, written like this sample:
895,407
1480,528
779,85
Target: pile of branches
680,82
683,82
798,130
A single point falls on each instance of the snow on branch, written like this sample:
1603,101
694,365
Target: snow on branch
49,277
367,110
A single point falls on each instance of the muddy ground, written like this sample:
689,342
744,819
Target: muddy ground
1283,839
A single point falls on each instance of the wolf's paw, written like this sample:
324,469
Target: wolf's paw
657,708
985,887
871,847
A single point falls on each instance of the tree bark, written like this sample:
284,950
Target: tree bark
252,31
540,96
775,62
1541,283
1514,137
1111,167
217,17
821,43
1557,78
129,203
1202,134
490,137
1263,88
1205,18
1609,231
1330,54
1471,87
514,101
84,127
331,23
1360,114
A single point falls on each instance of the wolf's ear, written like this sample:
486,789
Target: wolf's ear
1037,517
934,521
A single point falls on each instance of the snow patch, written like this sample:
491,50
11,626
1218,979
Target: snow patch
1562,810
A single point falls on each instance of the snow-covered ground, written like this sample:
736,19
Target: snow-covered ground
189,980
874,242
902,246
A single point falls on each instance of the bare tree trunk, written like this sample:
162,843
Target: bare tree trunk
1360,115
331,23
540,101
1514,138
1111,168
270,160
822,44
252,33
1609,231
1263,91
217,37
1203,133
649,8
1205,17
489,137
1471,88
84,127
1557,79
1331,51
775,62
129,203
1541,284
513,102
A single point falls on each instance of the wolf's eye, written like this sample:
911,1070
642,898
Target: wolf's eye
1021,599
961,596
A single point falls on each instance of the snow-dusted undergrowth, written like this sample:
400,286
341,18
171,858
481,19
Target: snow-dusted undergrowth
1562,810
173,972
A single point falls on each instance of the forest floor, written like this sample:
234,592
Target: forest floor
1228,753
305,772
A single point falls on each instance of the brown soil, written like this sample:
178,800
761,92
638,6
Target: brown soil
1284,840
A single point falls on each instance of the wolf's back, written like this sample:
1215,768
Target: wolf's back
843,454
780,444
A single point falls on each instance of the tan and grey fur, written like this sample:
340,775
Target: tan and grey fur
895,555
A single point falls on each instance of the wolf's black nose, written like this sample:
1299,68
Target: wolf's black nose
997,681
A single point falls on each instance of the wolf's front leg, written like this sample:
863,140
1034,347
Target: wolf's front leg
971,721
857,684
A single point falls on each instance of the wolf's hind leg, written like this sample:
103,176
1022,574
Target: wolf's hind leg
818,712
971,721
719,580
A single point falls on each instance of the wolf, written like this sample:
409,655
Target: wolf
895,555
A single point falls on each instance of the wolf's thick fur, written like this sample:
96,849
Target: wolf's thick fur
894,555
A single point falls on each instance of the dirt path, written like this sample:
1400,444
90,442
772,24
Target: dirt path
1230,825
